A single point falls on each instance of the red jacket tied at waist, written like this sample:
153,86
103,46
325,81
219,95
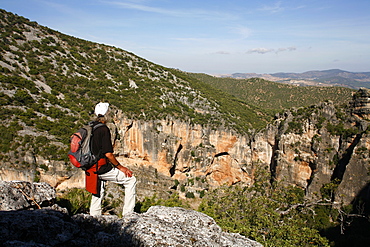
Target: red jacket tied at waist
92,183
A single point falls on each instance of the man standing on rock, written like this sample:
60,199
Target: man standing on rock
108,168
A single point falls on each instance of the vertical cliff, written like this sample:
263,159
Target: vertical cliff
312,148
180,150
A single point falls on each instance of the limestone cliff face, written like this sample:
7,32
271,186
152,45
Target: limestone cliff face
311,149
315,148
355,173
180,150
56,173
327,154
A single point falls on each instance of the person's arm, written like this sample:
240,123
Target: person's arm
115,162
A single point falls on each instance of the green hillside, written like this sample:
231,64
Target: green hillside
50,83
276,96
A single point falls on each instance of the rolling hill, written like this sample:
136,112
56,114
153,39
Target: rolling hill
332,77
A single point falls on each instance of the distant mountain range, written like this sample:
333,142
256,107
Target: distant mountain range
332,77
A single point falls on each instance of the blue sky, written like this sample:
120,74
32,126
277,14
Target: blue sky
218,36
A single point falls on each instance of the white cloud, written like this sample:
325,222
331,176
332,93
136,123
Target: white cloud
291,48
222,52
268,50
281,49
260,50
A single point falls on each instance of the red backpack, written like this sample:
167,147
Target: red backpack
80,153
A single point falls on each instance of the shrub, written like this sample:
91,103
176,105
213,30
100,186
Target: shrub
265,215
172,201
295,127
75,200
44,167
189,195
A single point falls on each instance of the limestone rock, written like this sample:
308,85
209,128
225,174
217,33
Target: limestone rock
16,195
36,228
355,173
52,226
361,103
160,226
164,226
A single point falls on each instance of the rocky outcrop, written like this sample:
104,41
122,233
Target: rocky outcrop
16,195
361,104
176,149
354,171
159,226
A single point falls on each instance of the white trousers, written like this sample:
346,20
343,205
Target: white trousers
118,177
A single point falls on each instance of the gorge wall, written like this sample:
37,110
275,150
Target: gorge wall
322,149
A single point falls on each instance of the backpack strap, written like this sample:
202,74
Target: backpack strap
98,125
94,126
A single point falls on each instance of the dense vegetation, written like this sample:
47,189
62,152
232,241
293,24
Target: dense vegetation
272,215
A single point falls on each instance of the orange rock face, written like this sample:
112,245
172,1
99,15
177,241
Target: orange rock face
176,148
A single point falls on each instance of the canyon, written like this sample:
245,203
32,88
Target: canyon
165,152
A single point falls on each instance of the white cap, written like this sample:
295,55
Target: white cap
101,109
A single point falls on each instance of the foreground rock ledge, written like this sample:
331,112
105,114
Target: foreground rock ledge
159,226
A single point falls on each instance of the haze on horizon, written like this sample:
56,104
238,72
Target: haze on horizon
218,37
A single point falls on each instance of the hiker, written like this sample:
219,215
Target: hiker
109,169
